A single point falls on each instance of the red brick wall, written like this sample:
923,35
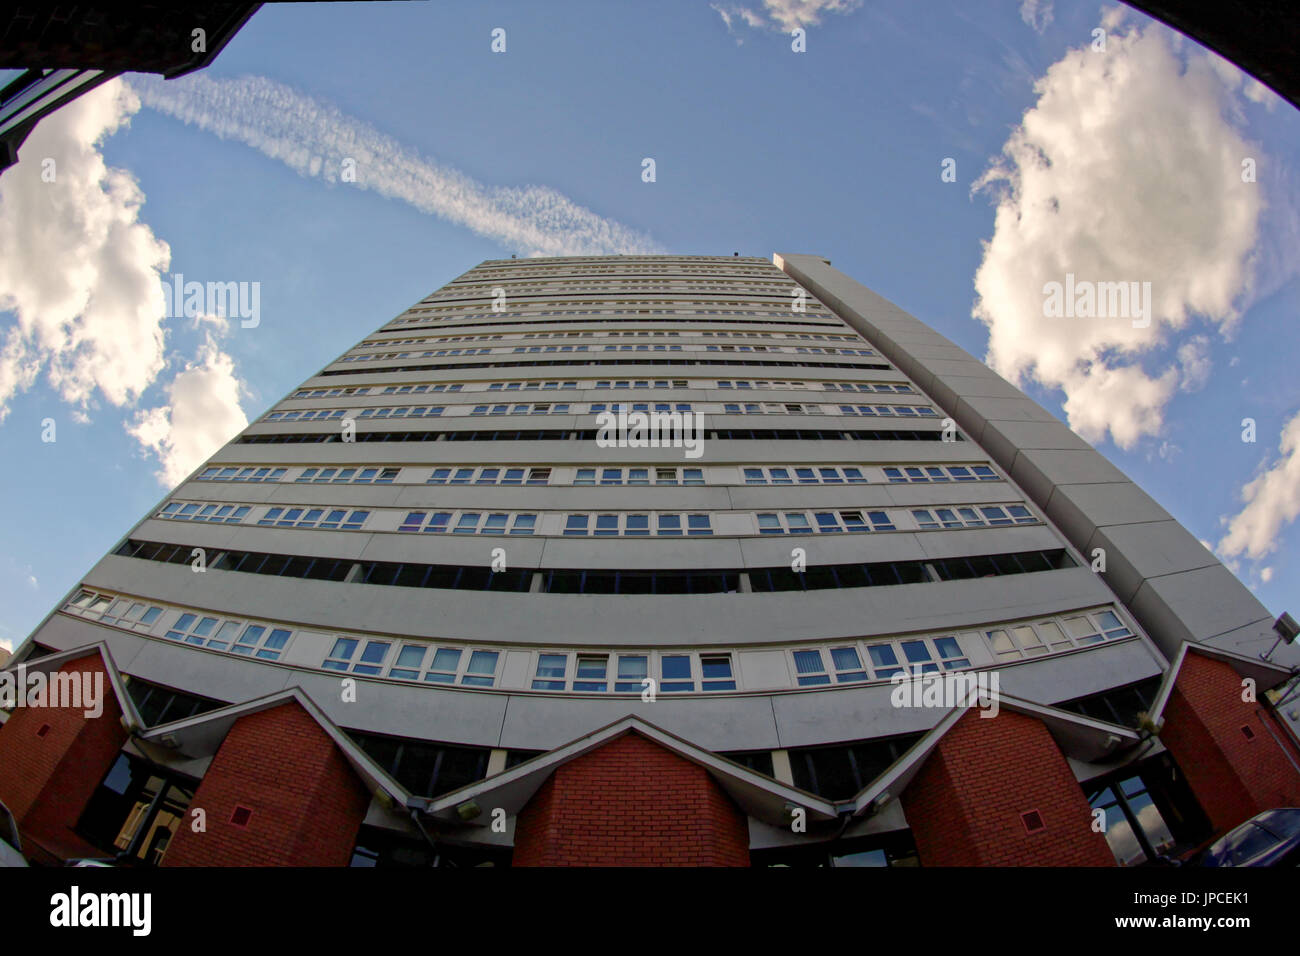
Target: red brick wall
1232,776
306,801
631,803
964,806
47,780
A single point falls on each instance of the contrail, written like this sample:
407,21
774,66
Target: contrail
314,138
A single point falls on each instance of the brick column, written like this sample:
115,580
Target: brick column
51,761
631,802
966,805
279,792
1234,765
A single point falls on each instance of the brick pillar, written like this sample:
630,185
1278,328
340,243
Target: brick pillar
1234,765
53,758
965,806
279,792
631,802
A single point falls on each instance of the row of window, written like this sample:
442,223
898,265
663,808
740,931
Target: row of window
372,390
616,333
481,287
311,415
748,363
853,662
626,670
584,581
565,408
222,514
644,347
583,475
590,435
828,475
633,524
1036,639
628,673
666,524
236,636
880,388
328,519
521,315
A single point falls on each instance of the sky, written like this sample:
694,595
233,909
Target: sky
957,158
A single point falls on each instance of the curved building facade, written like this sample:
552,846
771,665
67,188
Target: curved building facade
652,560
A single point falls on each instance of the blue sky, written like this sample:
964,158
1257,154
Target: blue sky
836,150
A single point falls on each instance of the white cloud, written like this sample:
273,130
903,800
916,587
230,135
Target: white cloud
1127,169
1266,574
1272,499
313,138
1195,363
783,15
203,413
77,267
1037,14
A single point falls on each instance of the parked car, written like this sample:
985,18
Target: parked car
1271,838
11,845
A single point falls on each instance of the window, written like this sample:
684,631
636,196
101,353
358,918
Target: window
918,658
884,660
699,525
632,673
1082,630
950,651
409,661
481,671
675,673
715,672
848,665
340,656
810,669
443,667
669,525
590,672
551,672
372,657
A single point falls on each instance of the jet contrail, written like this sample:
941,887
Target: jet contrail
314,138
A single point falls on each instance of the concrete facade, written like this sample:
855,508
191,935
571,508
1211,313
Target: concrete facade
397,541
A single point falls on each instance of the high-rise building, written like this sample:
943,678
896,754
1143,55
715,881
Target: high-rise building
653,559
